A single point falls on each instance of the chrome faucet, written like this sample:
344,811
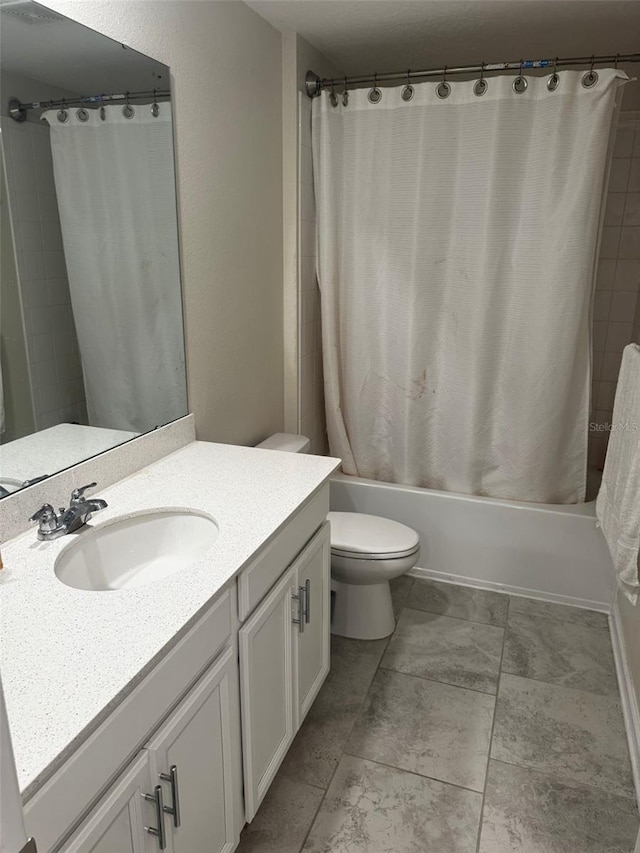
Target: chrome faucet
52,525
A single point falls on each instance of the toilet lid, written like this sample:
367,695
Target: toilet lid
358,534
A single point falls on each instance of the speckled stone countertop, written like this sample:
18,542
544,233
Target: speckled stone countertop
55,448
68,656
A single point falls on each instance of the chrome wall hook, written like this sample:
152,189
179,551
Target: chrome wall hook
443,90
375,95
481,85
590,79
554,80
408,91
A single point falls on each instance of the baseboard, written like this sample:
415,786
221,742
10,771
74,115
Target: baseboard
444,577
627,695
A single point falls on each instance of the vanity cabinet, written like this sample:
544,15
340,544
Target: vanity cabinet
284,659
194,760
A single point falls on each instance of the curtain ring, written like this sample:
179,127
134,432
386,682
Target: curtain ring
590,79
375,95
345,94
63,115
155,107
333,98
554,80
520,84
408,90
82,114
615,64
481,85
443,90
128,111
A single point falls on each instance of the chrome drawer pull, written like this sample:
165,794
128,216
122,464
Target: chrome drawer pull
307,600
157,832
174,808
300,597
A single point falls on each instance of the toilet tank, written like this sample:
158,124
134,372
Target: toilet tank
286,441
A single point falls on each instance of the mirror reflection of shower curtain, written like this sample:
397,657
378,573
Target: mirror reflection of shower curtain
116,196
456,253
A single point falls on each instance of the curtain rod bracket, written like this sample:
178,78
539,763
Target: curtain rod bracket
16,110
313,84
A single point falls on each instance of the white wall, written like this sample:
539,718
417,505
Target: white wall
226,78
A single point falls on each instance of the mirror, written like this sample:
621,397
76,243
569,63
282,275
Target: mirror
91,330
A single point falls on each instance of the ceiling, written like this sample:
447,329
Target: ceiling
42,45
362,36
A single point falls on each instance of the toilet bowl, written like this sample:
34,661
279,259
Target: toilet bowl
367,551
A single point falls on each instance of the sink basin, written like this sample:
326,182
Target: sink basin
132,552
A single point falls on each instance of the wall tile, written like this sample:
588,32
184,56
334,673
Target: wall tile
619,176
627,275
634,170
610,367
601,305
610,242
623,306
618,336
615,208
630,243
632,209
606,273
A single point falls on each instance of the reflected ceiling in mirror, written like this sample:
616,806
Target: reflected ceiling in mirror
91,330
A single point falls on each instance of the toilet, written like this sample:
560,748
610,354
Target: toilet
367,551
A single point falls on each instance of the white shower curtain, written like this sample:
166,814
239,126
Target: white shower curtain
116,196
456,248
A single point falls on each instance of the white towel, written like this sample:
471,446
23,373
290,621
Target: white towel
618,502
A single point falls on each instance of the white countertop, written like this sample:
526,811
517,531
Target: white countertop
53,449
66,655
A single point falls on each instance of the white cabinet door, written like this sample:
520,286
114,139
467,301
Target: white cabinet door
266,689
313,571
195,756
117,824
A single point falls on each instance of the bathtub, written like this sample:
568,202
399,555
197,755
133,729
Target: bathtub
553,552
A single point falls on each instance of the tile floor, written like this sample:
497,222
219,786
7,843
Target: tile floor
485,724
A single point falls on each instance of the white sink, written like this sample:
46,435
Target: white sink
132,552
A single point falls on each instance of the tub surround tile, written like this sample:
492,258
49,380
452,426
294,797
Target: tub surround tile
558,612
572,654
370,808
531,812
460,602
453,651
433,729
567,733
283,819
318,746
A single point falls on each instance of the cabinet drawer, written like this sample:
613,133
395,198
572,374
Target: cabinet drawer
260,575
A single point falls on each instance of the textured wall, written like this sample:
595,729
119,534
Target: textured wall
226,77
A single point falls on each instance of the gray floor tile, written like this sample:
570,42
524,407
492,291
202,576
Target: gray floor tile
283,820
400,589
316,750
374,809
433,729
569,653
531,812
461,602
443,649
570,734
560,612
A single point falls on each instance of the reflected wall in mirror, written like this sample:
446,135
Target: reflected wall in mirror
91,331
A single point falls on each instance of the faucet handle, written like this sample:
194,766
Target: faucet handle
45,518
77,495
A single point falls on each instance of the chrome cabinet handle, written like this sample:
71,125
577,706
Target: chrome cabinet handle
157,832
307,600
300,597
174,808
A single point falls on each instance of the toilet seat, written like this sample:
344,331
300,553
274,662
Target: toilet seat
359,536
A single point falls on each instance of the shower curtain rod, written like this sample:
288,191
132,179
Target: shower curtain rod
315,84
18,111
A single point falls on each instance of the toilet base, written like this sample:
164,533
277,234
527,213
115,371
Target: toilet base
362,611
